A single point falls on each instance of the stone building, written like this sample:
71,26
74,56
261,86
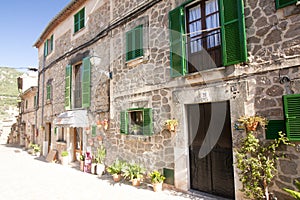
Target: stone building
137,64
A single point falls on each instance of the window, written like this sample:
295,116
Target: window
79,20
292,116
61,136
48,46
204,29
78,74
48,92
134,43
273,128
137,121
35,101
284,3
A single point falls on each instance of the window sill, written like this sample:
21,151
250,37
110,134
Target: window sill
136,61
206,76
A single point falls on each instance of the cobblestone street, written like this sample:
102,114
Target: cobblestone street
23,176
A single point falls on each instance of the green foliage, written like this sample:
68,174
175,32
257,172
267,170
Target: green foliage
64,153
101,154
156,177
134,171
294,193
117,167
82,157
257,164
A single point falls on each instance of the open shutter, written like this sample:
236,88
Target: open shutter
292,116
177,42
46,48
147,124
273,127
124,122
68,87
51,43
234,48
48,91
283,3
129,45
138,44
86,83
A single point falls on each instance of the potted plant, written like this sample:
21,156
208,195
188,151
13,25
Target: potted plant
81,160
64,157
93,165
171,124
136,129
101,154
116,169
37,150
251,123
135,173
157,180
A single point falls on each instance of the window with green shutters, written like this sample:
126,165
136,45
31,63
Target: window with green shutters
292,116
79,20
136,121
48,91
284,3
134,43
48,46
81,73
206,25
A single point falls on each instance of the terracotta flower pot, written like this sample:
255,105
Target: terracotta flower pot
116,177
252,127
157,187
136,182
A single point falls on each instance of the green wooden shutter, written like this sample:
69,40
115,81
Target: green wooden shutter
81,18
68,86
283,3
94,128
234,48
76,23
48,91
292,116
86,83
46,48
138,44
124,122
147,123
177,42
273,127
129,45
51,43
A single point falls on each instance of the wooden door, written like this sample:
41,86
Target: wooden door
77,143
213,172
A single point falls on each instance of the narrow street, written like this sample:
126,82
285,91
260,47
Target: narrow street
23,176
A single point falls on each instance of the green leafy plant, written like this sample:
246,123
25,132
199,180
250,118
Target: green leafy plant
294,193
156,177
82,157
257,164
101,154
37,148
134,171
64,153
117,167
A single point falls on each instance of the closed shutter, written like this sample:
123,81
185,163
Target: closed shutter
292,116
124,122
86,83
234,48
94,128
283,3
273,127
134,43
129,45
68,84
177,42
81,18
51,43
46,48
48,91
147,124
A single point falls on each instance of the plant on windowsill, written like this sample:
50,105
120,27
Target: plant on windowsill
64,157
171,124
157,180
100,156
135,173
116,169
136,129
252,122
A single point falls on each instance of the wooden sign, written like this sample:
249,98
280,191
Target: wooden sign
51,157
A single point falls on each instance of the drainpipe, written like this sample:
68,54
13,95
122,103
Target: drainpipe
45,144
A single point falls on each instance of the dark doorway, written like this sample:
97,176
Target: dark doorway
210,148
48,132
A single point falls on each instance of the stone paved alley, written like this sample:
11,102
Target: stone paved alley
23,176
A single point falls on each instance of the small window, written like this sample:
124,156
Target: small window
48,46
137,121
48,91
284,3
79,20
61,136
134,43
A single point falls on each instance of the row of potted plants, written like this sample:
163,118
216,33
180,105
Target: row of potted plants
134,173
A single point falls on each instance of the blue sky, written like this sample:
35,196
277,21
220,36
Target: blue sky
22,22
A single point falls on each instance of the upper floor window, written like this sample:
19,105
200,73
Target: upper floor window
78,77
134,43
284,3
48,89
79,20
48,46
203,36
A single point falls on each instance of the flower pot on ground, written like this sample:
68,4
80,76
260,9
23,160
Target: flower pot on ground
64,158
93,167
100,156
81,160
157,180
37,150
116,169
135,173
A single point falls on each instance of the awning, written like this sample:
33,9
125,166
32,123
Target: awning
74,118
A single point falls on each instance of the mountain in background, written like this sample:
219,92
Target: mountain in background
8,91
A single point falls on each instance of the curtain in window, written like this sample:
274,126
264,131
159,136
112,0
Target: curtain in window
212,21
195,28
